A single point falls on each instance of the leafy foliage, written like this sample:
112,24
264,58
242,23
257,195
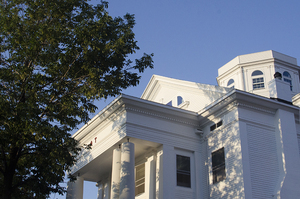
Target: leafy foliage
56,58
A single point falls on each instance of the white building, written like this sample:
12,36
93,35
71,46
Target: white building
195,141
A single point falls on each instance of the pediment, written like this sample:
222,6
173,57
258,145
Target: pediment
182,94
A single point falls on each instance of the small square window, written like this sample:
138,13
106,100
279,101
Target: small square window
183,171
218,165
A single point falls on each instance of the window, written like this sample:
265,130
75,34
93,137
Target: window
139,179
179,100
230,83
257,80
183,171
218,165
169,103
214,126
288,78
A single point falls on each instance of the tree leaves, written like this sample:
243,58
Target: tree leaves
56,58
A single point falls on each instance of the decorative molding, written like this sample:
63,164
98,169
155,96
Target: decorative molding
160,116
139,128
258,124
256,108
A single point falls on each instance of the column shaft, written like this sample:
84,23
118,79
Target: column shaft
127,184
115,176
75,189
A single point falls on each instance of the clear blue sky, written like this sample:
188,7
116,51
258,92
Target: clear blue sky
191,39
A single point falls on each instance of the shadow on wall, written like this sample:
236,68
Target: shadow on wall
212,93
229,138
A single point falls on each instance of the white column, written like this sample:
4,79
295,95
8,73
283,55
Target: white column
150,179
165,172
115,175
127,184
100,190
75,189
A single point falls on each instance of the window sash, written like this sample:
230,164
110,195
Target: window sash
183,171
218,165
258,83
139,179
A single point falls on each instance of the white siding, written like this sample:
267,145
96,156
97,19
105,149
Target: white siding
233,186
263,161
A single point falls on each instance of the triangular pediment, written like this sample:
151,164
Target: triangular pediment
182,94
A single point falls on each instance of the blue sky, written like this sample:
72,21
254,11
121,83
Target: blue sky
191,39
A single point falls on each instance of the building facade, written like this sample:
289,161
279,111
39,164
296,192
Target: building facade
186,140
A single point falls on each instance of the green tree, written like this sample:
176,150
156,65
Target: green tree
56,58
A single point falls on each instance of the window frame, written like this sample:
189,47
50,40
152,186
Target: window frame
230,83
142,179
219,170
288,78
187,173
179,100
258,81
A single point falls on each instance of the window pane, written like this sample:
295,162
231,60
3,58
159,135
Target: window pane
179,100
139,179
258,83
286,74
183,171
257,72
218,165
231,81
169,103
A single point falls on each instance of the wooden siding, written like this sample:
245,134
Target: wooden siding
264,168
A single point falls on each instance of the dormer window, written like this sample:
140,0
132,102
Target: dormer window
179,100
288,78
258,80
230,83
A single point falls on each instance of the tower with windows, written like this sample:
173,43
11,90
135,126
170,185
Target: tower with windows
253,72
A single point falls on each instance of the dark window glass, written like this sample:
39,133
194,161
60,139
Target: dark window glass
214,126
139,179
219,123
287,74
258,83
231,81
179,100
169,103
257,72
218,165
183,171
288,78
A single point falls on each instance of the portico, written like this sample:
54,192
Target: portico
122,137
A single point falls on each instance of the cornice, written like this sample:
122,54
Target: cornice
129,103
160,115
247,64
260,109
152,130
101,121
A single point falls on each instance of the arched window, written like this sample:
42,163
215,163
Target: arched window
288,78
230,83
179,100
258,80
